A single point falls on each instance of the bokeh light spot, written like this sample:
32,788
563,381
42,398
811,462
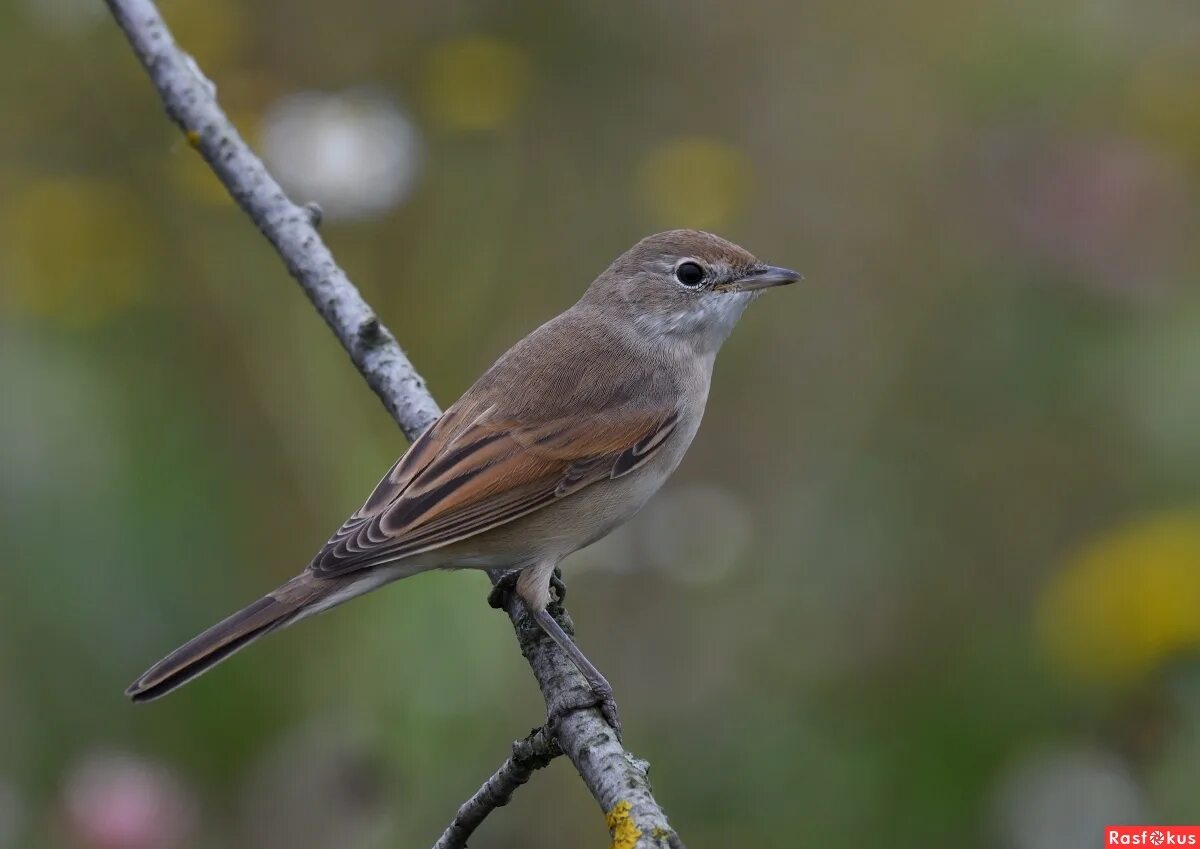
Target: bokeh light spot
1161,98
1127,601
696,534
117,801
354,153
1063,796
12,814
476,82
694,182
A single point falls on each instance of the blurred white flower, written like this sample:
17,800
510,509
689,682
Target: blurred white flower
354,153
1063,798
697,534
118,801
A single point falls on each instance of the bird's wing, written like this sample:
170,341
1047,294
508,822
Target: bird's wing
472,472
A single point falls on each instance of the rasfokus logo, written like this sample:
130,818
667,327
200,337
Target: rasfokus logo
1151,835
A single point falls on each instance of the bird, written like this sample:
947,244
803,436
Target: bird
562,440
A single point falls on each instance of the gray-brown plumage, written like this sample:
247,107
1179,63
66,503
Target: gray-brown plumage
564,438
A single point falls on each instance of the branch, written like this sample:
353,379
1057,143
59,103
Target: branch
532,753
190,101
615,778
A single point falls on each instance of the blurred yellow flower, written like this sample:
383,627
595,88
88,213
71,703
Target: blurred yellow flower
1162,100
476,82
1128,601
74,248
693,182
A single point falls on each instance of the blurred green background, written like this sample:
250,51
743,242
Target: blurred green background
930,575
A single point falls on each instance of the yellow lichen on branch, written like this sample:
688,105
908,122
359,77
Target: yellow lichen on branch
625,832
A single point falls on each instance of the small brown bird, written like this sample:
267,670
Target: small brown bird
564,438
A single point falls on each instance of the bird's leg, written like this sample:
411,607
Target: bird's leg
504,586
602,692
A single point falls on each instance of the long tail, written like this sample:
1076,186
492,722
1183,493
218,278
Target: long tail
201,653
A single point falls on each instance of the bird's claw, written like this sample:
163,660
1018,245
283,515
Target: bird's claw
608,709
558,585
503,589
600,698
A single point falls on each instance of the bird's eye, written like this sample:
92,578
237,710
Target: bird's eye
689,274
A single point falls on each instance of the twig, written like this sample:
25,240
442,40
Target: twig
532,753
615,778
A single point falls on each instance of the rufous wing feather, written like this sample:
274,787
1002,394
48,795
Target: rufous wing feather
470,474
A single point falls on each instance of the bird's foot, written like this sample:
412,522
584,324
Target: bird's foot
557,584
503,589
584,698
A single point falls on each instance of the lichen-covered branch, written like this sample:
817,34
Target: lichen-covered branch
532,753
615,778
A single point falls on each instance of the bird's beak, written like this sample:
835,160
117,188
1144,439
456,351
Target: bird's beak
763,277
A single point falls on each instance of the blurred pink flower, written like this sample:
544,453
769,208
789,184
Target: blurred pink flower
1105,211
118,801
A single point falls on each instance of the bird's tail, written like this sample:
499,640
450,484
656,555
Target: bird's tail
201,653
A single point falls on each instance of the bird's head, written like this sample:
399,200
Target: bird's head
685,285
